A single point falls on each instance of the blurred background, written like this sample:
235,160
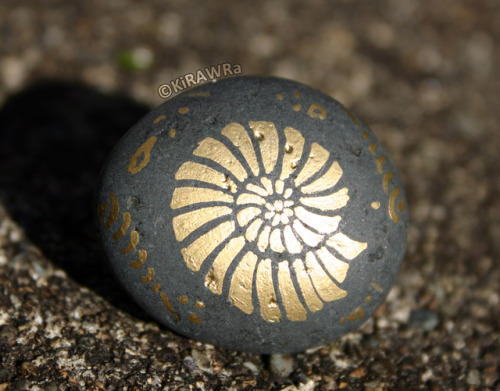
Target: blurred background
74,76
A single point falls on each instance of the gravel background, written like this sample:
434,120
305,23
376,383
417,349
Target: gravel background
423,74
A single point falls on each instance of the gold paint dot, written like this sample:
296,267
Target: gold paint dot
376,286
288,148
149,277
297,107
194,318
296,94
401,206
259,136
342,320
171,133
279,96
156,287
357,314
368,299
199,304
375,204
101,209
183,299
166,302
316,111
183,110
294,164
365,134
177,317
159,118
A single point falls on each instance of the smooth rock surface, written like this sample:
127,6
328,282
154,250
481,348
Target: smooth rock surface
253,213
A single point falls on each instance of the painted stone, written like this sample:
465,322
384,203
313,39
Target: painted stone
256,214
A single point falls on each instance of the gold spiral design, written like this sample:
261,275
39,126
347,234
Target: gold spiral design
234,207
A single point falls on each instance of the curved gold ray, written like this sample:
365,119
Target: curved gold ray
257,189
309,237
248,214
280,186
332,201
334,266
263,241
240,291
115,209
267,184
200,249
148,277
275,241
215,277
188,222
316,161
322,224
326,181
276,220
296,142
247,198
392,199
134,240
269,309
294,309
184,196
306,287
124,227
292,244
253,230
347,247
386,180
239,137
285,219
324,285
215,150
200,172
142,255
267,135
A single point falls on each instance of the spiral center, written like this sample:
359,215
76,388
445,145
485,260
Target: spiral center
279,210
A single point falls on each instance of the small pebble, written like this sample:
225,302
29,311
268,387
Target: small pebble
8,334
474,377
424,319
281,365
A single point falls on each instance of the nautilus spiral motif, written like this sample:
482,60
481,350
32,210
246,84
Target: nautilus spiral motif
264,215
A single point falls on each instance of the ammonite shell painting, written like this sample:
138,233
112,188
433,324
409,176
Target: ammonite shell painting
255,214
